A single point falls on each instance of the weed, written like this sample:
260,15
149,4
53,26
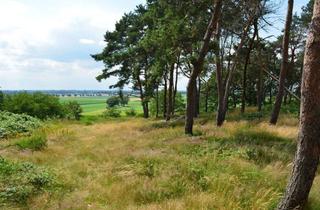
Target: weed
34,142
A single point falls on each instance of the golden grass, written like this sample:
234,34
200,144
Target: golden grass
130,165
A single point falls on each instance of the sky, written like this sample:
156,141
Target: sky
46,44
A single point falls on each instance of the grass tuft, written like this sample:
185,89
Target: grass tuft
34,142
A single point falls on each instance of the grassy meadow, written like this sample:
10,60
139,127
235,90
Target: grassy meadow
95,105
132,163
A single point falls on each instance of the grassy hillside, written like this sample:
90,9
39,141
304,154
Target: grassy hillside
139,164
95,105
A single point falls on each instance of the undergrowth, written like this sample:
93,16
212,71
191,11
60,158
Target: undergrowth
21,181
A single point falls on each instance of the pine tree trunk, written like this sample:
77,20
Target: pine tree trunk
223,110
198,98
196,101
284,66
157,102
170,93
176,85
197,67
142,97
165,95
207,97
244,78
190,105
307,155
219,118
145,109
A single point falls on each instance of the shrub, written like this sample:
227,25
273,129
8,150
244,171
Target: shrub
73,110
35,142
131,113
38,105
12,124
113,101
21,181
112,112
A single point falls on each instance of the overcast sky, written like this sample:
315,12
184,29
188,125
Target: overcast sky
46,44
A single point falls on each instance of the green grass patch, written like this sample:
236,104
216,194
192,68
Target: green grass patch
34,142
96,105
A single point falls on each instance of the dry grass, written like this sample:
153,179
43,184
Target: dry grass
131,165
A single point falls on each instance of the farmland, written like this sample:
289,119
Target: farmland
95,105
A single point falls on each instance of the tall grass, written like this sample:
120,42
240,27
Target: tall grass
140,164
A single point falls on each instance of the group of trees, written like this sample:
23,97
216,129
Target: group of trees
40,105
218,46
120,100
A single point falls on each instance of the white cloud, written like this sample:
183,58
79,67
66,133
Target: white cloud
87,41
46,44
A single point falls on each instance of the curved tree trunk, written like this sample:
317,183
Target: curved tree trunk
197,67
307,156
223,107
284,65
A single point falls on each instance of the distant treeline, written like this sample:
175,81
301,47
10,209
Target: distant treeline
66,93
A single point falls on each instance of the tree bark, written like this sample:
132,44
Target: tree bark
176,86
244,78
284,65
157,102
197,113
222,111
207,97
260,76
197,67
165,95
307,155
219,77
170,94
143,101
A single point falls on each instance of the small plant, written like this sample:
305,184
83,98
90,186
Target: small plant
21,181
12,124
131,113
35,142
148,168
112,113
113,101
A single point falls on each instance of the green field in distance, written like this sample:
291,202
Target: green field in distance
95,105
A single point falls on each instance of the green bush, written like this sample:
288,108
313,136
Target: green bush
38,105
113,101
12,124
21,181
73,110
35,142
131,113
111,113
